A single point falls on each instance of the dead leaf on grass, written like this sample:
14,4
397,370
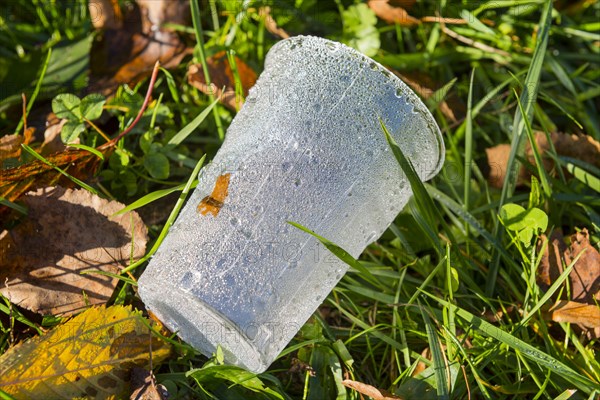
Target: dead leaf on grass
582,147
88,356
143,386
585,276
393,15
10,145
221,75
371,391
584,280
105,14
587,315
52,142
66,233
126,53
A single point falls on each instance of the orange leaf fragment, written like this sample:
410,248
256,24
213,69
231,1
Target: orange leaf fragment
371,391
391,14
213,203
587,315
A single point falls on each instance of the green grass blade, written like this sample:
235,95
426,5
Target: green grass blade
567,394
439,363
579,170
150,197
527,350
88,148
338,252
468,152
536,151
42,159
36,91
528,98
197,22
14,206
423,201
171,219
189,128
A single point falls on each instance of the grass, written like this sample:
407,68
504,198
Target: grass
446,278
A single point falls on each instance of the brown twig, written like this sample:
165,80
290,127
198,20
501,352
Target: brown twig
455,21
140,113
471,42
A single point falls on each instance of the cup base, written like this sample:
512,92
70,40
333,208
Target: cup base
199,325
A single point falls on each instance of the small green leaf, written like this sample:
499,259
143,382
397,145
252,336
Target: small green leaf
157,165
360,29
91,106
536,196
66,105
517,218
235,375
118,160
71,131
146,141
454,281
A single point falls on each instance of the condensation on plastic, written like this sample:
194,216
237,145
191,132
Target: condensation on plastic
307,147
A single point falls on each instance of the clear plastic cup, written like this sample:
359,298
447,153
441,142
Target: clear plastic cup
307,147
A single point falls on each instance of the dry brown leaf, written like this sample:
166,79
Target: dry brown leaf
582,147
371,391
585,276
143,386
88,356
584,280
105,14
221,76
16,181
421,366
10,145
587,315
67,232
390,14
52,142
127,54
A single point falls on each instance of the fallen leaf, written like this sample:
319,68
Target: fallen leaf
585,276
10,145
126,54
584,280
421,366
582,147
144,387
52,141
390,14
66,233
105,14
16,181
221,75
371,391
587,315
88,356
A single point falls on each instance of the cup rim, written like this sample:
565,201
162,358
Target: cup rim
412,97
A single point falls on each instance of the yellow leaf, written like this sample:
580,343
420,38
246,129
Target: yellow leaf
90,355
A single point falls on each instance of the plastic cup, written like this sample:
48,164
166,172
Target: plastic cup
307,147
